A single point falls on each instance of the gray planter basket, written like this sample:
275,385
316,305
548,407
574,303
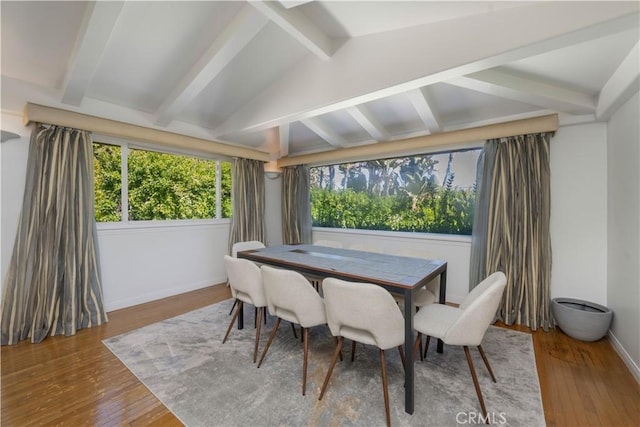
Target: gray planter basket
582,320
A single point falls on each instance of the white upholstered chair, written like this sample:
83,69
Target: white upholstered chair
316,281
238,247
465,325
245,246
291,297
245,280
328,243
429,293
365,313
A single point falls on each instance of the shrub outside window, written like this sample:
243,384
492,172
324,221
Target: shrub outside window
161,186
432,193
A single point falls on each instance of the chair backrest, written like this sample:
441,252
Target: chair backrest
433,285
246,280
245,246
478,311
328,243
365,247
291,297
363,312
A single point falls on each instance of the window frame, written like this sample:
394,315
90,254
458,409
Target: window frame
125,223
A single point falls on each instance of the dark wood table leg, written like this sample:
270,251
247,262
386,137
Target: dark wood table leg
241,318
408,352
442,300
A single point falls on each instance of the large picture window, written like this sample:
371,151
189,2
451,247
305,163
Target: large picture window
432,193
159,186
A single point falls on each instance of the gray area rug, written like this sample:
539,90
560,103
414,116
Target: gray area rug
205,383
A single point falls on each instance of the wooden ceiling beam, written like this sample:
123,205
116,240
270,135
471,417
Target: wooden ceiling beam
97,25
233,39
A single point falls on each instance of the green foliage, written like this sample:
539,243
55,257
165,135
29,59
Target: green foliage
392,194
447,211
107,182
160,186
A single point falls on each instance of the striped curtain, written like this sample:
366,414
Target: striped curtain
247,219
53,285
296,205
513,205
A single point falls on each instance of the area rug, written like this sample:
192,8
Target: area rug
203,382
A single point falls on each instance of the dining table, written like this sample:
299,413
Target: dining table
398,274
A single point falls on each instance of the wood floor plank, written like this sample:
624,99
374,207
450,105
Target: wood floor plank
78,381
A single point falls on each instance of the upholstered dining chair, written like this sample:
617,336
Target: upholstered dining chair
429,293
364,313
465,325
238,247
245,246
316,281
245,280
291,297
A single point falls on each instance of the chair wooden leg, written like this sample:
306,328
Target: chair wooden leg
486,363
305,332
271,336
233,319
293,328
336,340
334,359
475,382
426,347
418,346
353,351
385,389
233,306
258,323
401,351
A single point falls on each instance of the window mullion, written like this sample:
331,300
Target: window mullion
218,189
124,193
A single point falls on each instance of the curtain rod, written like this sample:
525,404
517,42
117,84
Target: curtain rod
417,145
56,116
402,147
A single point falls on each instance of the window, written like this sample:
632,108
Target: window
159,186
432,193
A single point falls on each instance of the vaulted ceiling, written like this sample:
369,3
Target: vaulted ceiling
293,77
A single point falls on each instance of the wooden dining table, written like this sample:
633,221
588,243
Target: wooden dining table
399,275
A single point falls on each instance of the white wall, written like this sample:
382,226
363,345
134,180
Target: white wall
623,292
148,263
273,210
13,167
579,212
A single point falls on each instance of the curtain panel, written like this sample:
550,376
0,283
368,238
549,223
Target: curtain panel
512,229
53,285
247,218
296,205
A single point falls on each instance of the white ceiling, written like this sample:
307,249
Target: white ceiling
295,77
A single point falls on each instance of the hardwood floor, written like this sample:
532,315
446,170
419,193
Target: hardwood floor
77,381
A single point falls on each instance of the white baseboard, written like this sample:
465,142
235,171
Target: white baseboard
163,293
626,358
